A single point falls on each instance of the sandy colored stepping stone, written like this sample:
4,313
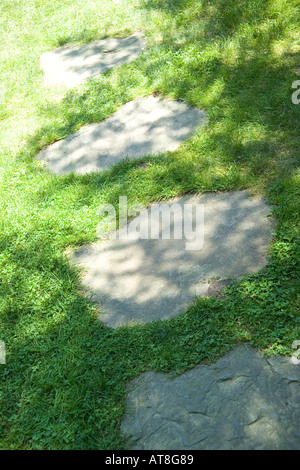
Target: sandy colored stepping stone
71,66
141,127
144,280
242,402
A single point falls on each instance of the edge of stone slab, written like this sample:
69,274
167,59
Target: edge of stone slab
243,347
185,197
78,44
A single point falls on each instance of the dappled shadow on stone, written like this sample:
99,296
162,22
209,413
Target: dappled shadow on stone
141,127
73,65
242,402
144,280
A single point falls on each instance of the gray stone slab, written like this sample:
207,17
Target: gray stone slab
71,66
241,402
141,127
144,280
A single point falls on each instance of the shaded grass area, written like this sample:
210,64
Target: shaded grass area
64,383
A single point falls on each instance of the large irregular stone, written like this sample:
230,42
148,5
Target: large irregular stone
144,280
241,402
141,127
71,66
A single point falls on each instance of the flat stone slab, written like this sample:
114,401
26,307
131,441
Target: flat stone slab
141,127
144,280
242,402
71,66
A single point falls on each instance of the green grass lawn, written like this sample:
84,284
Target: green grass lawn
64,383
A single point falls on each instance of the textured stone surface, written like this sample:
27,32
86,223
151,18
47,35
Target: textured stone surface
139,281
241,402
71,66
144,126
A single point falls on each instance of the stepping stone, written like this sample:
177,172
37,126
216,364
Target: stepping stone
242,402
71,66
138,281
141,127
